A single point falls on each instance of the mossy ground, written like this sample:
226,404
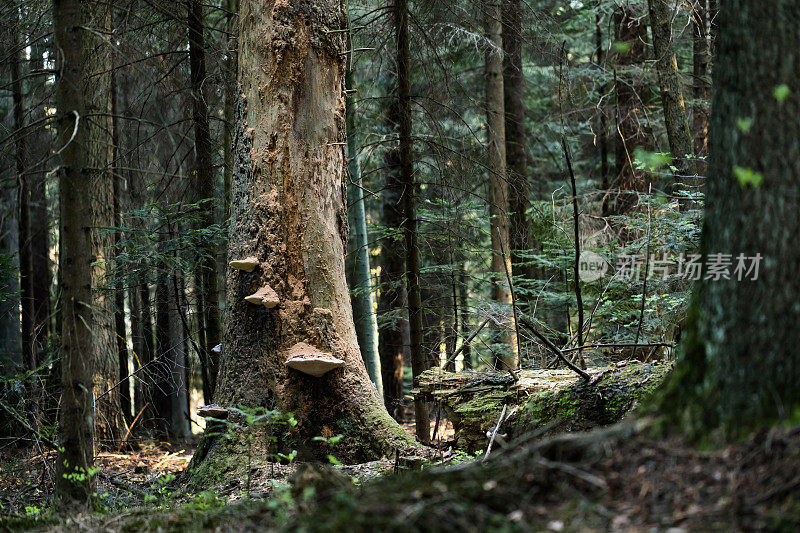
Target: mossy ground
584,405
558,400
618,478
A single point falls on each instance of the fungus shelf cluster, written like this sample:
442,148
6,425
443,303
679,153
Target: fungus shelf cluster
302,356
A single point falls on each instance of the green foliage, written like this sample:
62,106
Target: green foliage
8,276
162,237
781,92
747,176
744,124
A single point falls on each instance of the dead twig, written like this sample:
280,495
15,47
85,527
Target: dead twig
576,217
494,432
646,273
452,358
513,299
619,345
24,423
528,323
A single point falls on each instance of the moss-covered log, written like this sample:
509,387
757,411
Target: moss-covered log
553,399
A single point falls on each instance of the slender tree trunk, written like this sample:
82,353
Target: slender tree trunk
11,361
432,332
121,336
159,421
712,27
29,358
392,299
463,297
232,7
358,267
289,212
10,339
520,237
143,382
137,344
179,399
204,184
700,60
40,220
678,134
84,187
406,178
630,114
498,185
739,351
601,135
451,320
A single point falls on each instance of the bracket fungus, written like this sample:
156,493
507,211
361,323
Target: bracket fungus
247,264
265,296
212,411
309,360
217,348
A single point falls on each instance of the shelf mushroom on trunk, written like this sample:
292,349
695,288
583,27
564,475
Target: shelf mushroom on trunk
265,296
247,264
309,360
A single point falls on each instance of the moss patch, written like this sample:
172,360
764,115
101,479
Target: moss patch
584,405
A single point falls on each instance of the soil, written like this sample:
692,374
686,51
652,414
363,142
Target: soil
612,480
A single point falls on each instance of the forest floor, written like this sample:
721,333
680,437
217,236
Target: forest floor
623,481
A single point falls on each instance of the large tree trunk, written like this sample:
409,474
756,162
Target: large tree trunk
83,100
289,212
740,347
358,267
208,296
498,184
678,134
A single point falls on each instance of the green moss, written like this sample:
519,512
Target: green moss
584,405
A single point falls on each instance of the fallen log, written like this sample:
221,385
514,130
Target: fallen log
553,399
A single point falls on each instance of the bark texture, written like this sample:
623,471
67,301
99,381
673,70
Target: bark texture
520,237
631,115
289,211
83,99
208,295
700,87
25,256
393,327
678,134
408,197
740,367
498,184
